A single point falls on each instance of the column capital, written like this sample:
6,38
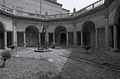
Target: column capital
115,24
74,25
96,28
23,31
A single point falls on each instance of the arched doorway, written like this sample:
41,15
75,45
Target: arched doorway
89,34
1,36
60,35
118,32
116,29
32,36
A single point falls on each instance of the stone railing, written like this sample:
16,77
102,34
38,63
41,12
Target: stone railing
47,17
30,15
89,7
56,16
39,16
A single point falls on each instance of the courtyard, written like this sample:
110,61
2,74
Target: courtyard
64,63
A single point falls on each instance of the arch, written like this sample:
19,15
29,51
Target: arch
88,26
60,35
117,23
60,28
89,38
32,36
117,15
31,26
118,32
2,30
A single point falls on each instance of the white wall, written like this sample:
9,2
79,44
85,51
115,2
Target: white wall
34,6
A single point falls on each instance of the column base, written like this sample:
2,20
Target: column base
24,46
81,46
114,50
96,47
6,48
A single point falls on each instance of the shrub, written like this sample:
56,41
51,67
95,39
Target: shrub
5,55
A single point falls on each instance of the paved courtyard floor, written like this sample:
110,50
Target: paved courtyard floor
69,63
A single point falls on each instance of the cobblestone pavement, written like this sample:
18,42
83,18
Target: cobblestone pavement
102,57
25,64
53,56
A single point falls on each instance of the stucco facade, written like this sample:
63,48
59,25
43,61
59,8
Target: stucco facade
97,27
35,6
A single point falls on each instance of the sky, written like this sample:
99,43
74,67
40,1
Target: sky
78,4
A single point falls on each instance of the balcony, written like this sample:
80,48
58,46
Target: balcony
89,7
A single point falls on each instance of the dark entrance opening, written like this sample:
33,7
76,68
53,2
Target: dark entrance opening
9,38
1,36
60,35
79,38
20,39
1,40
42,39
50,38
89,34
87,40
32,36
63,39
118,34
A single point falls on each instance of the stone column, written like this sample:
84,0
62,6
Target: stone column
67,38
81,38
14,41
106,37
5,40
75,36
47,36
96,38
115,36
39,39
14,36
53,38
24,39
